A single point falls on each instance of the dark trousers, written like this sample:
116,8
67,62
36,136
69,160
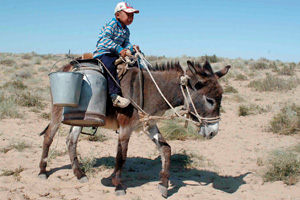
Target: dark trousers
108,60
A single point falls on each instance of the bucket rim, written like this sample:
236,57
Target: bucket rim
65,72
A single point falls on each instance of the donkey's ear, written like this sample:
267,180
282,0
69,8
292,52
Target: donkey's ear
222,72
194,71
192,67
207,66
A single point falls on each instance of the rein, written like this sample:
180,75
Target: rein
145,117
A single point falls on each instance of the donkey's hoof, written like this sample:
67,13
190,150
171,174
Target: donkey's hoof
43,176
163,190
83,179
120,192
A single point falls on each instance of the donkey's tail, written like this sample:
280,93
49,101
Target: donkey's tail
44,131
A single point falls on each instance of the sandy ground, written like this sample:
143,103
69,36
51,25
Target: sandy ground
229,167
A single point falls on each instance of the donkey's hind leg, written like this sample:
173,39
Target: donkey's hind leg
49,134
165,151
72,144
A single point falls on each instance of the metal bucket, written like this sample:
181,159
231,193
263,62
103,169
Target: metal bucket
92,105
66,88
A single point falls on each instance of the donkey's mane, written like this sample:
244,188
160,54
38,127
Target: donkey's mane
167,67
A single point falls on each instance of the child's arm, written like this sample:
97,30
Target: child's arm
106,42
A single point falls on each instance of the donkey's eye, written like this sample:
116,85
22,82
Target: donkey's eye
210,101
198,86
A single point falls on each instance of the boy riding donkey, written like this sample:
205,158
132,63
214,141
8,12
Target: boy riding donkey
114,42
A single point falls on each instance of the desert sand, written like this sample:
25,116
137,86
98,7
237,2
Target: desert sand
228,166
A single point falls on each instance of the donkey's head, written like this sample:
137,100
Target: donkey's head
206,94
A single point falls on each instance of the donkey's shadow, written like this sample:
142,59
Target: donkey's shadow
139,171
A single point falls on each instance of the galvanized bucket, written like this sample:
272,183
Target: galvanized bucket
66,88
92,105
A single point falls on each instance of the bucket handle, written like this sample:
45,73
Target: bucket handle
68,57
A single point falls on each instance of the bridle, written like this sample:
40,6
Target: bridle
188,98
183,85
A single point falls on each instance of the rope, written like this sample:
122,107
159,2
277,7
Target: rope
132,101
184,82
143,59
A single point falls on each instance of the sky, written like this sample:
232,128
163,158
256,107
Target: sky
247,29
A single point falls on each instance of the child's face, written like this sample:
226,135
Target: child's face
125,18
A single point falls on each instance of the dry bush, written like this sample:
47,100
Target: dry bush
230,89
211,59
37,60
262,64
19,145
16,84
241,77
245,110
283,166
48,56
287,69
23,74
28,56
8,62
8,107
56,153
15,173
43,69
28,99
273,83
287,121
237,98
87,164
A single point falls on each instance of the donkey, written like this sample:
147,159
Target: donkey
205,93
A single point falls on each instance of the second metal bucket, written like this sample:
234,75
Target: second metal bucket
92,105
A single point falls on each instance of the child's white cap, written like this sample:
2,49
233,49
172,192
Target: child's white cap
126,7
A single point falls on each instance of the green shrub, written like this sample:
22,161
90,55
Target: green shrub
87,164
252,109
27,99
174,130
230,89
97,138
283,166
241,77
287,121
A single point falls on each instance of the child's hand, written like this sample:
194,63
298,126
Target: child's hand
136,47
123,53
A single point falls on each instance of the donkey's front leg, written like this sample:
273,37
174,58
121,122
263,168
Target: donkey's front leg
123,141
165,151
72,144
